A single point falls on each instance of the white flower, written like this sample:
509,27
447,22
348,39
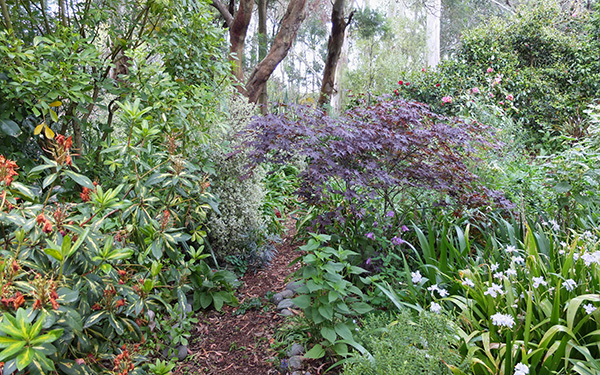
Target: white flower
563,244
575,257
555,225
518,259
468,282
511,272
521,369
441,292
435,307
570,284
498,275
537,281
416,277
511,249
494,290
561,252
494,267
590,258
589,308
501,320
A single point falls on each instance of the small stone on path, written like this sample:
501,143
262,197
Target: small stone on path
286,312
295,362
296,349
294,285
286,303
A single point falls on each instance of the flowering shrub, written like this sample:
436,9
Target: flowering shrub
535,55
90,266
526,305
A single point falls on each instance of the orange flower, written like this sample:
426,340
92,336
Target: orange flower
7,170
19,300
40,219
47,227
85,194
121,302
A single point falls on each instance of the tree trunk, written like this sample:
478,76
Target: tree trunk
262,48
290,24
237,37
334,48
433,33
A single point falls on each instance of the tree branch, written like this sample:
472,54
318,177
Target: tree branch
224,11
5,14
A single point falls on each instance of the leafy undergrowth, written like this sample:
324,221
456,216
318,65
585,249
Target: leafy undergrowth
237,342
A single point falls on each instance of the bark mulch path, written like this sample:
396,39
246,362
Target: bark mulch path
227,344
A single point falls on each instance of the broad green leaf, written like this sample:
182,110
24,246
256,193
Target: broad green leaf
95,318
54,254
11,351
48,337
328,333
562,187
361,307
341,349
24,358
343,330
10,128
80,179
7,341
326,311
317,351
302,301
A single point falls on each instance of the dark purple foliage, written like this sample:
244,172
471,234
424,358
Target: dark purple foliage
373,152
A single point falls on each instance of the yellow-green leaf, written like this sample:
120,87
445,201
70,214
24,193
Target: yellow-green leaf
53,115
38,129
11,351
57,103
48,132
24,358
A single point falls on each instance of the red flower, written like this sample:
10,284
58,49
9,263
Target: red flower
407,83
96,307
396,92
437,85
400,83
121,302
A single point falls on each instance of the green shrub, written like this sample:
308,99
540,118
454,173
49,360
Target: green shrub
239,229
403,343
543,56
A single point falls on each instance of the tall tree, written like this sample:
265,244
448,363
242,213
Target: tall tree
238,28
262,42
334,48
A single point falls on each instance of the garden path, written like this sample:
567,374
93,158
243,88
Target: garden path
226,343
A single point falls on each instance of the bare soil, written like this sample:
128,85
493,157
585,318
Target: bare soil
226,344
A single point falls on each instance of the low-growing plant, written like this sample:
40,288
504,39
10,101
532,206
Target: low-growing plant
406,344
329,300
